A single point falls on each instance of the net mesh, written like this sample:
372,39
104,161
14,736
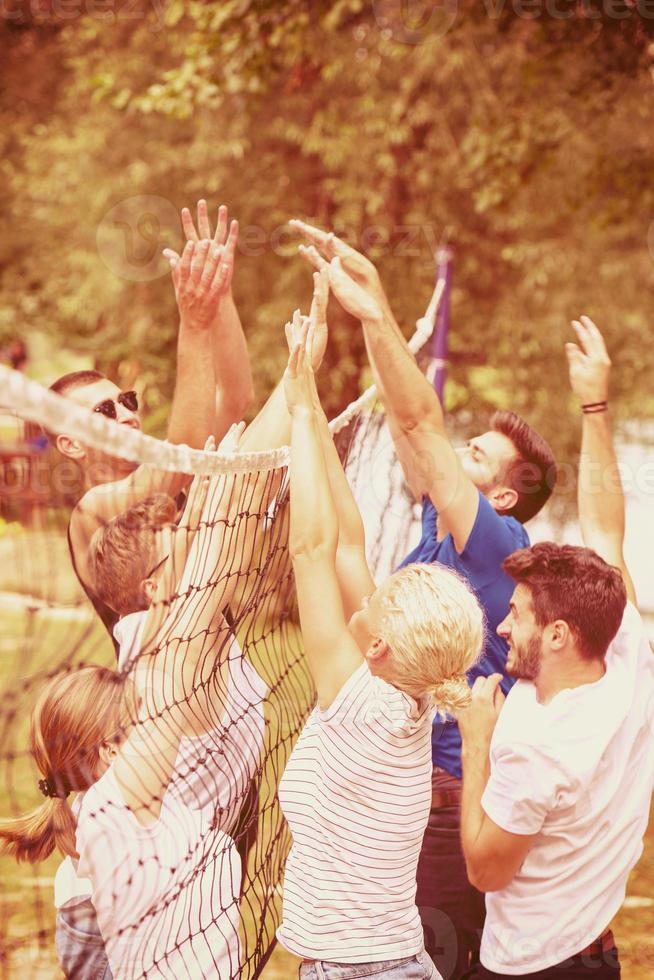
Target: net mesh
215,690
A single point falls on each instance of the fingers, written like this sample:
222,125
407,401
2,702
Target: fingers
320,292
484,688
229,442
204,228
595,337
327,242
211,265
174,262
316,236
224,272
311,253
574,354
188,226
590,339
293,361
185,263
200,254
221,225
308,344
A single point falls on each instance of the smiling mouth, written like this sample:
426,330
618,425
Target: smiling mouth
133,424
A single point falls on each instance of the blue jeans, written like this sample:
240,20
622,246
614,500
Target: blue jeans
418,967
80,947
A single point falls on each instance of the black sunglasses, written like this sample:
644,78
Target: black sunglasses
108,407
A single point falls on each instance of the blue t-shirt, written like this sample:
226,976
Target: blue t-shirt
492,539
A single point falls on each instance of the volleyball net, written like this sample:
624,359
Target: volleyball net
180,838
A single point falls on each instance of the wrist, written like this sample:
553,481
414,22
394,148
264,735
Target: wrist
374,320
301,412
595,407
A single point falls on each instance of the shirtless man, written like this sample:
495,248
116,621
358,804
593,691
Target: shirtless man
211,392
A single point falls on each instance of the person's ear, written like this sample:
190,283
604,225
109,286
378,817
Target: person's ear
559,635
149,589
107,753
503,498
377,650
70,447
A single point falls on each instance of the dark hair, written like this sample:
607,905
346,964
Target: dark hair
573,584
66,383
74,379
532,474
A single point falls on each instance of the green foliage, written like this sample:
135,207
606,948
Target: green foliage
526,143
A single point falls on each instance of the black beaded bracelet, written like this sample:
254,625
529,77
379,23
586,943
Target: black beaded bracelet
594,407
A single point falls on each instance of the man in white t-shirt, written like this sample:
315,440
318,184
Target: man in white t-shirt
557,779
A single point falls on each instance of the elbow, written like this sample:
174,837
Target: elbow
306,549
415,419
485,877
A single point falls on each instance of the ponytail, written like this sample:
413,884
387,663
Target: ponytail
450,695
34,836
75,714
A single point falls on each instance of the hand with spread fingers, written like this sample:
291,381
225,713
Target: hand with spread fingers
223,239
199,278
588,363
299,381
324,246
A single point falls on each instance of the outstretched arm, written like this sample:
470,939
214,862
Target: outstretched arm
600,494
199,278
352,571
415,413
234,390
331,650
178,672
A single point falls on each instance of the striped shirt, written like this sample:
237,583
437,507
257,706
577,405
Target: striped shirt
356,793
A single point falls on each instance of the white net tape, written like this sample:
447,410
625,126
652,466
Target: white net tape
55,413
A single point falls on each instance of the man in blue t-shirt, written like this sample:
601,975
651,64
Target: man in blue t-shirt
475,502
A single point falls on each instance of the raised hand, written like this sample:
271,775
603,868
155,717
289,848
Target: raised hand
299,382
325,246
352,297
588,363
231,440
318,316
227,240
200,280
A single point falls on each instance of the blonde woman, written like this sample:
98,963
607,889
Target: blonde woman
164,876
357,788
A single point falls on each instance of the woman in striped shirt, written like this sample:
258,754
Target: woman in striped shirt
357,788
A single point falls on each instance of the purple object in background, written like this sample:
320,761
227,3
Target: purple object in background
438,367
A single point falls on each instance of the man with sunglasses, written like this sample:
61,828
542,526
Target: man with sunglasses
210,392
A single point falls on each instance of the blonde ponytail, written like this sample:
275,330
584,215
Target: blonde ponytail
450,695
433,626
77,712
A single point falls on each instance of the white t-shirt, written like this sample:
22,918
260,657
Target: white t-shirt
166,895
356,793
578,772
